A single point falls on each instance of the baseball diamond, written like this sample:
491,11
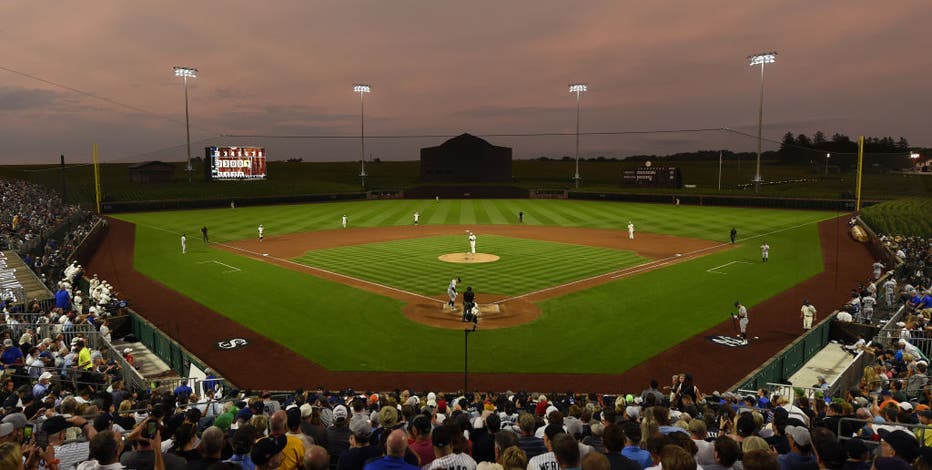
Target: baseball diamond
324,302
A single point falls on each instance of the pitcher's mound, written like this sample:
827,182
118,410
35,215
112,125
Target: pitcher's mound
468,258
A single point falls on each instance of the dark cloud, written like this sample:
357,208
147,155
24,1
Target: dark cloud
17,99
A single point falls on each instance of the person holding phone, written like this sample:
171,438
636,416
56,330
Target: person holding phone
147,454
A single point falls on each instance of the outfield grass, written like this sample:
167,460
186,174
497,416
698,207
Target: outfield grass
626,321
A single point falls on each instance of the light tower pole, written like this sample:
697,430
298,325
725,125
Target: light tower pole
577,88
362,89
186,73
760,59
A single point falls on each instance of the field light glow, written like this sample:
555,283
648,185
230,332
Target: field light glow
762,58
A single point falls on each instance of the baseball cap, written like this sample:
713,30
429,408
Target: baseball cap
799,434
55,424
6,429
905,406
266,448
360,428
856,448
441,437
244,414
891,463
18,420
7,342
339,412
306,410
388,416
45,376
905,445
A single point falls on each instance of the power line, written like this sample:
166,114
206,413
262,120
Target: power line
447,136
123,158
100,98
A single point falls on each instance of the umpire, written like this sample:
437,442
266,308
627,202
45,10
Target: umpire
469,302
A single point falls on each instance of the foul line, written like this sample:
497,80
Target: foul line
332,273
712,270
312,268
233,269
613,275
657,262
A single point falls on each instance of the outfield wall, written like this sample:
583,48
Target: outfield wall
733,201
111,207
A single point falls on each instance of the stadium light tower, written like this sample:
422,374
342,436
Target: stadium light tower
577,88
362,89
186,73
760,59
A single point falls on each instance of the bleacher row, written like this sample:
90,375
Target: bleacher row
65,403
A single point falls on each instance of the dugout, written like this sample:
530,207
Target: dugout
466,159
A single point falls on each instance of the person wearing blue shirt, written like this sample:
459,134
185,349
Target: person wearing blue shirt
632,451
11,356
395,448
63,299
183,390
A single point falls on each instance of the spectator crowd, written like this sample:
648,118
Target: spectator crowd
64,406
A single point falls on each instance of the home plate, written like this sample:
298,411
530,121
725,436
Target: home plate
265,254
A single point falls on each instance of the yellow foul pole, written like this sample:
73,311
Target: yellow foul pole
97,179
857,204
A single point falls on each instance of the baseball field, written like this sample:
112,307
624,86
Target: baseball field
569,294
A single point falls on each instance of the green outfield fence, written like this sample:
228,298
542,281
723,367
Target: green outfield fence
789,360
843,205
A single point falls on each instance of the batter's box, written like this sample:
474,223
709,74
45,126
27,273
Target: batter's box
489,308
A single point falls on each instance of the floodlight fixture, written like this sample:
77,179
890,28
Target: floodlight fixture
762,58
186,73
577,88
362,89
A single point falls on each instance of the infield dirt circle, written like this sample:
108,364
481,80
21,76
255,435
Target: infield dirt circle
468,258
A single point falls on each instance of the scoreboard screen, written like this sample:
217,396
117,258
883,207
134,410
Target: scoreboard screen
235,163
657,177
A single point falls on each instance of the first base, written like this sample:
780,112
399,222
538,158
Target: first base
265,254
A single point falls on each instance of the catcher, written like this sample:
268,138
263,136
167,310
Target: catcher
470,308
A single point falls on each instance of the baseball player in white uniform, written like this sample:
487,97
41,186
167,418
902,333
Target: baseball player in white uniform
630,230
889,289
343,220
807,313
472,243
417,217
261,232
765,252
867,308
742,317
184,244
451,292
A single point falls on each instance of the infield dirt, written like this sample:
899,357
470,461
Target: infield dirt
265,364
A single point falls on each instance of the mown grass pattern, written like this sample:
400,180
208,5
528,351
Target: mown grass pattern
524,265
607,329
